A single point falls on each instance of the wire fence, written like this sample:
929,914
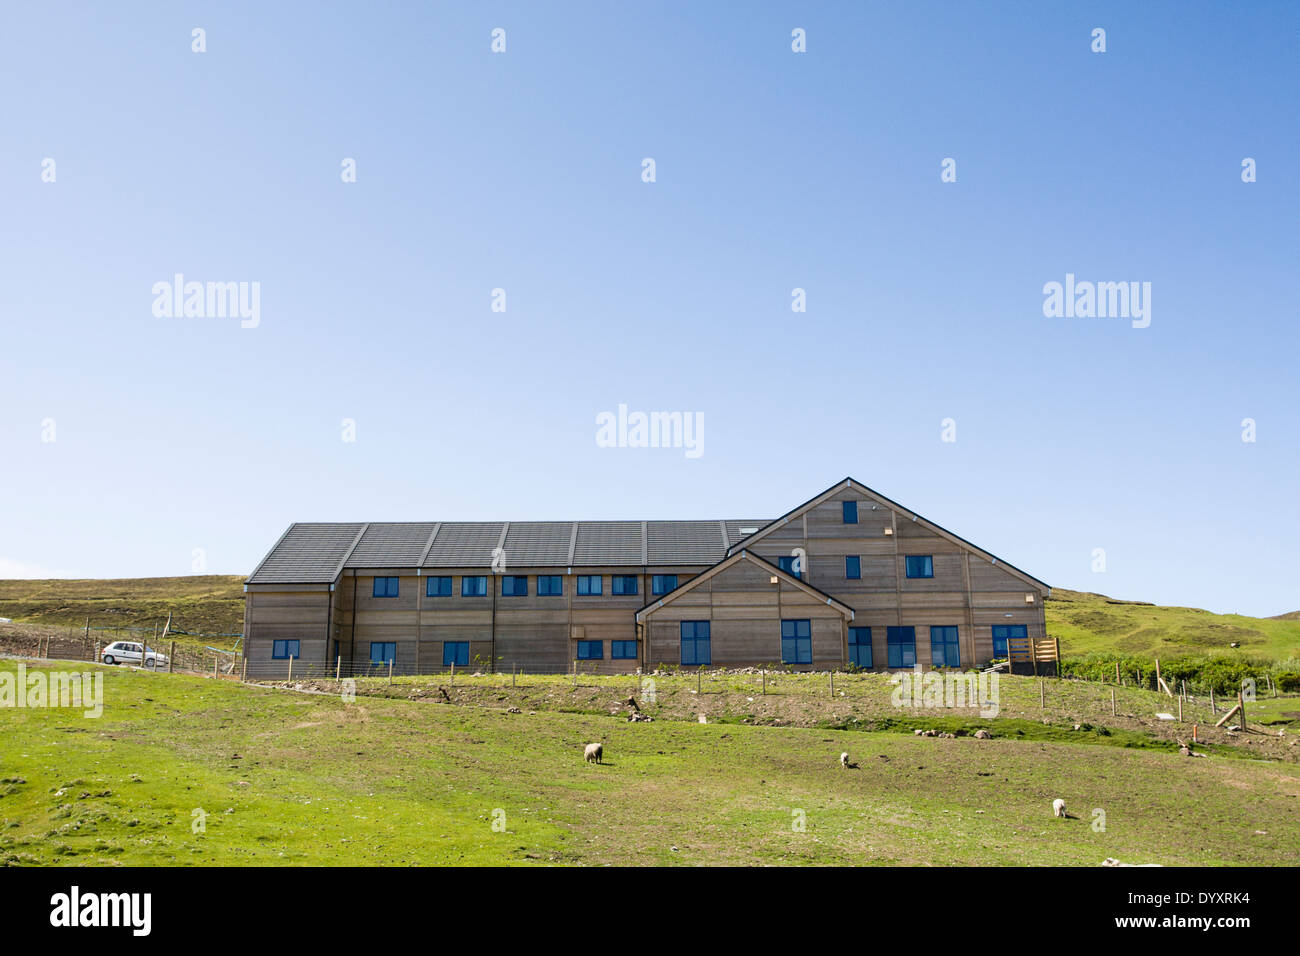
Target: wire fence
61,642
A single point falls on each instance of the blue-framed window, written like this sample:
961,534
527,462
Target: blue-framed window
944,649
591,651
622,584
662,583
283,650
920,566
438,587
696,648
381,652
588,583
902,646
473,586
850,512
860,646
622,650
514,585
852,567
455,652
385,587
796,642
550,585
786,564
1001,632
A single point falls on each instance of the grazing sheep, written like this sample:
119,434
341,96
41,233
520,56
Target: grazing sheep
844,761
593,752
1058,807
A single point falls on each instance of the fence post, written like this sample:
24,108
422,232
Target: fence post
390,670
1117,672
1042,694
243,676
699,680
290,667
215,661
1213,709
338,667
763,671
832,683
1180,710
171,658
85,641
1112,701
513,669
453,673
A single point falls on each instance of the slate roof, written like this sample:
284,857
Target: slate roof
317,553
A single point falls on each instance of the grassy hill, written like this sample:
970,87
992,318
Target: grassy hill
1093,623
286,778
207,604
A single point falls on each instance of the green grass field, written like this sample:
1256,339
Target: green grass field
294,778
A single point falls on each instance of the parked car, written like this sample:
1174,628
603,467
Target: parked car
129,652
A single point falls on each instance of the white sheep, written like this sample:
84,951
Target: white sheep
844,761
1058,807
593,752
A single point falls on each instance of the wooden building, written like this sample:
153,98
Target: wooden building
848,578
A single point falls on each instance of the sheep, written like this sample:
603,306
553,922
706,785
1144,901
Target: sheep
844,761
1058,807
593,752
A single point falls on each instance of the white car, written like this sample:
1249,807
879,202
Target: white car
129,652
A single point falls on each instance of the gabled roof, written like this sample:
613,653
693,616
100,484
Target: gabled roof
925,522
317,553
724,564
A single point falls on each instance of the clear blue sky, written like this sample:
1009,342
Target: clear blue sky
775,170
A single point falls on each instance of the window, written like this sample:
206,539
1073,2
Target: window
282,650
796,642
473,587
382,652
663,583
902,646
622,584
850,512
438,587
455,652
549,585
385,587
786,564
852,567
860,646
944,651
591,651
920,566
588,583
695,643
1001,632
622,650
514,585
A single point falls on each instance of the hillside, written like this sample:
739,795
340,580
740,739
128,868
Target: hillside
280,778
208,604
1093,623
